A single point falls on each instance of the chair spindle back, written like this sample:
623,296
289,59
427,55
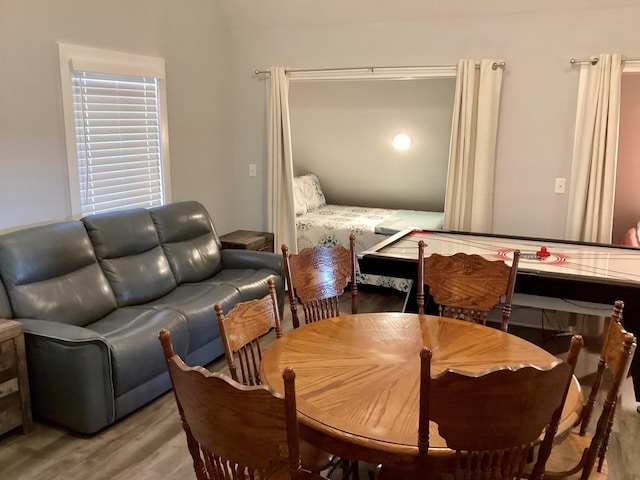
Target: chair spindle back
317,276
492,420
240,331
467,287
233,430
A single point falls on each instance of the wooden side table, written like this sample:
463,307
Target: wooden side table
15,402
248,240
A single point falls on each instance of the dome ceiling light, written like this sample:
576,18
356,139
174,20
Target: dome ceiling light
402,141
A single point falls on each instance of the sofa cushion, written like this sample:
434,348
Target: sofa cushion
136,353
245,262
50,272
129,252
250,283
189,240
196,303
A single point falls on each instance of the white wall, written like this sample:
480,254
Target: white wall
217,105
538,96
193,39
342,132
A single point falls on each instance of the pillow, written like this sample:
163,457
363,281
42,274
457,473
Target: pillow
307,193
298,202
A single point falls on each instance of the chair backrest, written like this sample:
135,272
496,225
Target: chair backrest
231,427
240,331
465,286
494,419
616,356
317,276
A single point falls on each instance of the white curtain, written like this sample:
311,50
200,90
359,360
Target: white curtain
470,182
281,217
595,152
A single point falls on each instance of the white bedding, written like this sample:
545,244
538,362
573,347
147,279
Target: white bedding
331,225
319,224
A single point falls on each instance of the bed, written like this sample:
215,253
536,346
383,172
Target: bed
319,223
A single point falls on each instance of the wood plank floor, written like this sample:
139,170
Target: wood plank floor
149,444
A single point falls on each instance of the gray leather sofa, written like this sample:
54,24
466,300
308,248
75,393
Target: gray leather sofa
94,294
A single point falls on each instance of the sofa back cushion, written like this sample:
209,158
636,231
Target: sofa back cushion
129,252
189,240
51,273
5,306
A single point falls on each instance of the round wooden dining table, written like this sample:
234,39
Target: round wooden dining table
358,378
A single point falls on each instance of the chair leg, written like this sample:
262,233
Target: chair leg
352,472
607,437
348,468
336,463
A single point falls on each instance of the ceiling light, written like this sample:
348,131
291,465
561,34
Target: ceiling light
401,141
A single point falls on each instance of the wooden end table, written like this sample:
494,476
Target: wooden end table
248,240
15,402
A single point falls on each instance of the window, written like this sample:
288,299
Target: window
115,123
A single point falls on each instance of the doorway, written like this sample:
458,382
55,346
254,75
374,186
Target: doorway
342,131
626,213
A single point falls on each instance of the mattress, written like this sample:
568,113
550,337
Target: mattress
331,225
403,219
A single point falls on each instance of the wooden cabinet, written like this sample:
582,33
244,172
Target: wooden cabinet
15,403
248,240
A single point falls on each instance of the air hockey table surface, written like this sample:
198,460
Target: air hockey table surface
580,271
573,274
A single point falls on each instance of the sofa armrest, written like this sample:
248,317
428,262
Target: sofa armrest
60,331
70,375
232,258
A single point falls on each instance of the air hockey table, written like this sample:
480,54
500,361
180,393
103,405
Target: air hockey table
580,275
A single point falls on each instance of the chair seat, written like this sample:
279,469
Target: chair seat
565,456
313,458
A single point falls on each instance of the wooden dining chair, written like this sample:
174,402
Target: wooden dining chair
240,330
236,431
317,276
493,420
576,456
466,286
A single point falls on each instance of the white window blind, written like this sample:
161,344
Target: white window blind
118,141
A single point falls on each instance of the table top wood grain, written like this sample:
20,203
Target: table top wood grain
357,377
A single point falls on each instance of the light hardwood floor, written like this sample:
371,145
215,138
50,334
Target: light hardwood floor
150,444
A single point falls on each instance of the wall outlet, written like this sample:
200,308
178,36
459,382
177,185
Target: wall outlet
252,169
561,184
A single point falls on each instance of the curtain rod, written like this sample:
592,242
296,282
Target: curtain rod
494,66
594,60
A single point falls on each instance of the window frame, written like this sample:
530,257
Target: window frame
88,59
